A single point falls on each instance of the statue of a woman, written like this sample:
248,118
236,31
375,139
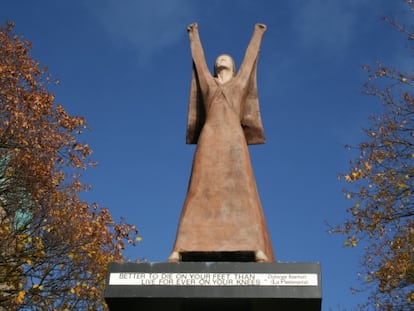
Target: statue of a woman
222,213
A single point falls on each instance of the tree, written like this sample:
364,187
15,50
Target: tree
54,247
382,189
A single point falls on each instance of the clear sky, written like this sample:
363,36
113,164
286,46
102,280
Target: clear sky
125,66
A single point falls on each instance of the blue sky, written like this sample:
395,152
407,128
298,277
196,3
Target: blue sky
126,67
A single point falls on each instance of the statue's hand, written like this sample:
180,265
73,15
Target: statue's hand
261,26
192,27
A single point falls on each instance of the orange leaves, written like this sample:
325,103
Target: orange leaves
55,257
68,122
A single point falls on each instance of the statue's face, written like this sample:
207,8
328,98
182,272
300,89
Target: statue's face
224,61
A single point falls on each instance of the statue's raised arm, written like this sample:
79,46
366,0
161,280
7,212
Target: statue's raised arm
252,52
197,52
251,118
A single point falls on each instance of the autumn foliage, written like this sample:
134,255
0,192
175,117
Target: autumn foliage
382,190
54,247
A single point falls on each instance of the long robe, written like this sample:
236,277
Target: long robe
222,210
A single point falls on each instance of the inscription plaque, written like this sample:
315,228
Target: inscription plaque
214,279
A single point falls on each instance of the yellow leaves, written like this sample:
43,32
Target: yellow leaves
76,290
382,174
359,173
355,210
355,175
402,185
21,242
20,297
348,178
351,241
410,297
10,172
37,287
5,228
367,166
398,243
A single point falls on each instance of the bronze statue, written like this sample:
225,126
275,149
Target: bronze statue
222,211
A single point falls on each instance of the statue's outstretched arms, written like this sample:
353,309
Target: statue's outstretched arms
197,53
252,52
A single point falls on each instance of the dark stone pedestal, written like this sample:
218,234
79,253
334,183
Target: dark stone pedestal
229,286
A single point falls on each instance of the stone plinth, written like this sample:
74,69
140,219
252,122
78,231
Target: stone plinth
214,286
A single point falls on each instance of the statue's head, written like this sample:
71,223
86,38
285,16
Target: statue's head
224,61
